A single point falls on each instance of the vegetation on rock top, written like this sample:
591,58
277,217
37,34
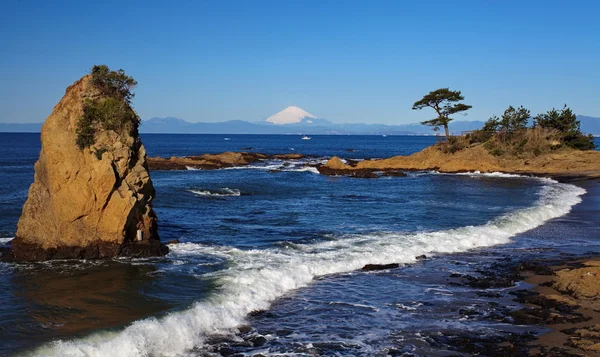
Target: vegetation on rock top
508,135
110,109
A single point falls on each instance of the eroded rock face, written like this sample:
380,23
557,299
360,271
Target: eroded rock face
87,203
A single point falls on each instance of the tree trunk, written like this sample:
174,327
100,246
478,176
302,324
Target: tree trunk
447,132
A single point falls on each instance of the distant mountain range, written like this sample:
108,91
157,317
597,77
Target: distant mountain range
294,120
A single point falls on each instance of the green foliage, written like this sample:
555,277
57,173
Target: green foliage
111,109
85,132
115,84
566,123
514,119
484,134
445,103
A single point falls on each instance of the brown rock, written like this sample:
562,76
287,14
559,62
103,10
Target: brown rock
564,165
87,203
288,156
336,163
581,283
214,161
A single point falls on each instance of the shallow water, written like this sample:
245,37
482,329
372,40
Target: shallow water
284,247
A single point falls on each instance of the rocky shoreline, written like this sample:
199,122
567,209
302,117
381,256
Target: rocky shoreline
563,299
563,166
216,161
566,165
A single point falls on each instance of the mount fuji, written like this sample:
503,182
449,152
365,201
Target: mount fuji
297,116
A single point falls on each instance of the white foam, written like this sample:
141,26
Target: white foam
254,167
295,167
255,278
6,240
304,169
224,192
192,168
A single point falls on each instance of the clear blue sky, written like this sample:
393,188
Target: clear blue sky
346,61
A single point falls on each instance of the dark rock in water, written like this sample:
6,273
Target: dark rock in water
392,173
226,351
512,344
356,173
536,268
174,241
350,150
248,148
488,282
421,257
258,341
243,329
273,171
372,267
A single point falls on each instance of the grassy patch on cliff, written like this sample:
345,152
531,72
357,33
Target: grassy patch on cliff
110,109
509,136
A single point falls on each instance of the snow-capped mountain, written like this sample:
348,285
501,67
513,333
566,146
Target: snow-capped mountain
291,115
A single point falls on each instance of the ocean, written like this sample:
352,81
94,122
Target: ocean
271,254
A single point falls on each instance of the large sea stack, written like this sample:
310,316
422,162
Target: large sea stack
91,195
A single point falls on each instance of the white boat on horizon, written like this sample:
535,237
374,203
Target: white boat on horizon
306,137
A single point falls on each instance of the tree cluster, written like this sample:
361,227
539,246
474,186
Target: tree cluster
561,125
568,126
562,122
110,109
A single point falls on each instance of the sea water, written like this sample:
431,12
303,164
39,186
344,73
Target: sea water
276,248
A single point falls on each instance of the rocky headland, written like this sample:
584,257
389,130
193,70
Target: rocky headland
90,199
563,164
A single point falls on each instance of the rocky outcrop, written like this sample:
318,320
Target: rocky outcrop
336,167
565,164
215,161
88,203
581,283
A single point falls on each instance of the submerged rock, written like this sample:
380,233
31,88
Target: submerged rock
87,203
374,267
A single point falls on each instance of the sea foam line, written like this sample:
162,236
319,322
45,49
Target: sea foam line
224,192
258,277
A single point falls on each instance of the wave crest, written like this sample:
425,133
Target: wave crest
258,277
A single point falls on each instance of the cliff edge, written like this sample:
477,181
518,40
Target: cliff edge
89,201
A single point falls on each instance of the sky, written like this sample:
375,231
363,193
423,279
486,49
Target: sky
345,61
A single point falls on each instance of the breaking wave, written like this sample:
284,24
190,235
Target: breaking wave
224,192
255,278
5,240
